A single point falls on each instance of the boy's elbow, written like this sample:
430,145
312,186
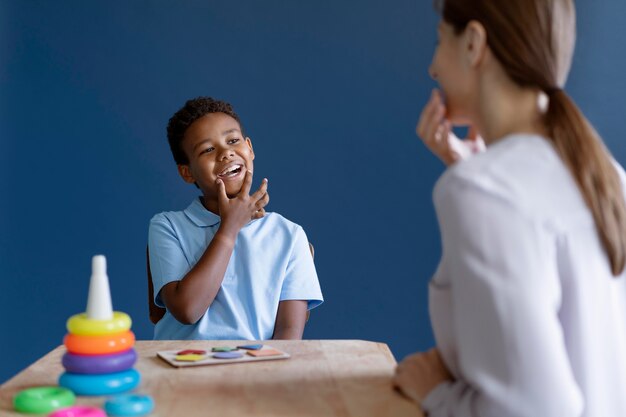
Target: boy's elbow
181,308
186,316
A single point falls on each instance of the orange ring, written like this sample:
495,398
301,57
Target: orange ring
99,345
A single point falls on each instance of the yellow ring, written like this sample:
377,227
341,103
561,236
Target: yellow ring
81,325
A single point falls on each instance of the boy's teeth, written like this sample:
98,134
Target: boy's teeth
231,170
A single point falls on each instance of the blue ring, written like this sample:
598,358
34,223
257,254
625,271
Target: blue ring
129,405
99,364
106,384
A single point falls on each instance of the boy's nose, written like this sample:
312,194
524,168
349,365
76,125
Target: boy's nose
226,154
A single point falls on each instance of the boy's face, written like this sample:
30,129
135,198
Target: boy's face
216,149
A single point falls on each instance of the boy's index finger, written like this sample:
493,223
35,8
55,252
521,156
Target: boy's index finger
247,183
221,195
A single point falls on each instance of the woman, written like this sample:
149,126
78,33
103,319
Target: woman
528,304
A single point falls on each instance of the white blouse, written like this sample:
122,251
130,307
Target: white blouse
525,310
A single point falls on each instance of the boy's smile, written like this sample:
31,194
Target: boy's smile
216,148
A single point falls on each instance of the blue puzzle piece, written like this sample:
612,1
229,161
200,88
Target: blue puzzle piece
250,347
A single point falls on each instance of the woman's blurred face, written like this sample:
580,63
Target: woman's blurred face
452,71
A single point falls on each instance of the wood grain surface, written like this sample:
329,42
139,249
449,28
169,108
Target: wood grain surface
322,378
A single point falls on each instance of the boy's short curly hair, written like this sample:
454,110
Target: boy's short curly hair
189,113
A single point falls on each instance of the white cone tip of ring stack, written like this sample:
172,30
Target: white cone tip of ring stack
99,299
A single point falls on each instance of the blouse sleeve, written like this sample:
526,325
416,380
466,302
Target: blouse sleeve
505,298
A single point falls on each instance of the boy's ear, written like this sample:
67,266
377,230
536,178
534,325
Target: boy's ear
185,173
249,142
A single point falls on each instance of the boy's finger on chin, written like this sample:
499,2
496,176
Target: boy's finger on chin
247,182
221,187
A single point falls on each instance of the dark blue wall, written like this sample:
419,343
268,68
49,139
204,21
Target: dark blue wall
329,92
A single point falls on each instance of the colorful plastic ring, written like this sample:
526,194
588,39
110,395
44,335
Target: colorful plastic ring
82,325
129,405
99,364
99,345
79,411
106,384
40,400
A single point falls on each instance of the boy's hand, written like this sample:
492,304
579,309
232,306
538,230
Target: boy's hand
436,133
238,211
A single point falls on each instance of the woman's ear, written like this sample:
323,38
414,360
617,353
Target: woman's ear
475,43
185,174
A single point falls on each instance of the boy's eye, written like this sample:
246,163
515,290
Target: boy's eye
233,141
207,150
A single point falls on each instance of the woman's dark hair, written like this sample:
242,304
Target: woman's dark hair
189,113
534,41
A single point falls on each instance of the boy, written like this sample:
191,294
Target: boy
223,268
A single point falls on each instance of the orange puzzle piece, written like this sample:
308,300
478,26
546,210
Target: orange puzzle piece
264,352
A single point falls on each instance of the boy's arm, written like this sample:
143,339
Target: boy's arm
188,299
290,319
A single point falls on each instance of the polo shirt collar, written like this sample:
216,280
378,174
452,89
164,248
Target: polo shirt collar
199,215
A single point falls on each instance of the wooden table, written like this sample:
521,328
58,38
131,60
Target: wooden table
322,378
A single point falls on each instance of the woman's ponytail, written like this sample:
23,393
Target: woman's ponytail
590,163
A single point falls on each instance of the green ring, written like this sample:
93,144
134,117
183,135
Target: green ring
41,400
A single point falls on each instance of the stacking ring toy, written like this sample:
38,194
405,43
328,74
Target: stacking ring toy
105,384
79,411
99,364
82,325
99,345
43,399
129,405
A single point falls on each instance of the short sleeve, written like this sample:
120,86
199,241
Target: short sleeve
301,282
167,260
505,299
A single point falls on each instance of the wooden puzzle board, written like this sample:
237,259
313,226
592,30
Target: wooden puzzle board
169,356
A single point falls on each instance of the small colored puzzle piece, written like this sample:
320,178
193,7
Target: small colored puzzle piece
264,352
192,352
189,357
228,355
250,347
223,349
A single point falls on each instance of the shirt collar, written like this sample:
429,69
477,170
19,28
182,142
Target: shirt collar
199,215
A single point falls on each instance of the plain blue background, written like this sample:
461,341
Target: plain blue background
329,92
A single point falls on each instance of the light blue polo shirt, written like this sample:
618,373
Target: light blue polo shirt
271,262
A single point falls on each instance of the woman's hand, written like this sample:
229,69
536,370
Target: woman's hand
420,373
436,133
